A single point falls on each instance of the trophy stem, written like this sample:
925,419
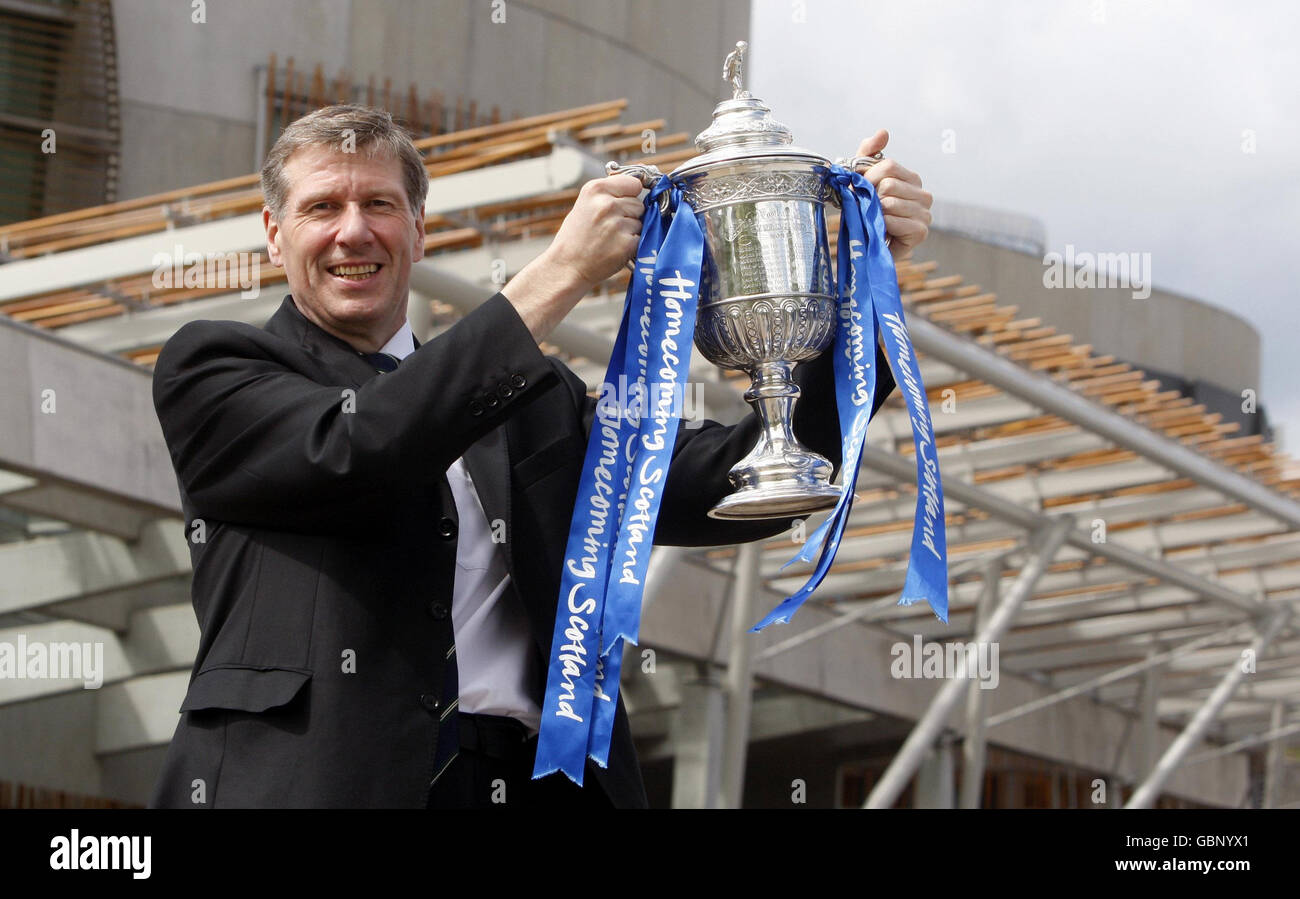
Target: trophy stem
772,392
780,476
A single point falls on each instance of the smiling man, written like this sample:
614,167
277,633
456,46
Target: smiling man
376,526
347,240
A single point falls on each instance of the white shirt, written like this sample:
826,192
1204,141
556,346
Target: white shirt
493,645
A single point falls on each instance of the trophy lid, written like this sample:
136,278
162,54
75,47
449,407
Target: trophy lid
742,126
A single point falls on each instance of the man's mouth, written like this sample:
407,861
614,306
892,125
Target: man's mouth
357,273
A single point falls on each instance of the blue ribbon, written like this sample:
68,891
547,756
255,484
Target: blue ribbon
628,451
634,432
869,306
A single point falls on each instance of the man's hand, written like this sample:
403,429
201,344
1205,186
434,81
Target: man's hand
905,204
596,239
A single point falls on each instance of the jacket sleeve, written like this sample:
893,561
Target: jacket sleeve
255,442
702,456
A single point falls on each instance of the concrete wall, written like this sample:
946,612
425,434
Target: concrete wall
189,90
76,418
1169,332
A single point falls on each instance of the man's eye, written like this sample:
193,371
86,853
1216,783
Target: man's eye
321,205
382,202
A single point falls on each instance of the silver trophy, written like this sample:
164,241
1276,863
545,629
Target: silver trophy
768,297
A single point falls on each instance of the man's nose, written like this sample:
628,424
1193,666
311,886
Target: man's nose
353,227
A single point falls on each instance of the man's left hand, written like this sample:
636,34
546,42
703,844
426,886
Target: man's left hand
905,204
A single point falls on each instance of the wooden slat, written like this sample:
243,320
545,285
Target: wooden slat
618,130
504,128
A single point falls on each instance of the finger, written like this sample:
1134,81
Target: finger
874,144
908,231
625,225
905,209
629,246
630,207
892,187
892,168
621,185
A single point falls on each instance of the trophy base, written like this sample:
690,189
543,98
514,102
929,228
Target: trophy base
779,477
775,502
778,484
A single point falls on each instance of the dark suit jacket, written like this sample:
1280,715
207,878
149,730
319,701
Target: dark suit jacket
323,580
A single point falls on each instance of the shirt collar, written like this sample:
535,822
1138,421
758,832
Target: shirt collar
401,344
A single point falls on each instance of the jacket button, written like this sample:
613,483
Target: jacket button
446,529
491,401
475,408
438,610
518,382
429,701
505,391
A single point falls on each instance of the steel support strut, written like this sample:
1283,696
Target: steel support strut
972,747
1111,677
738,683
1145,795
918,743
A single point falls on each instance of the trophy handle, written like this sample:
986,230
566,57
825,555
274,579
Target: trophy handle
861,164
648,175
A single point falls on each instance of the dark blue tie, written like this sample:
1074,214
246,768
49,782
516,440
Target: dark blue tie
448,719
383,362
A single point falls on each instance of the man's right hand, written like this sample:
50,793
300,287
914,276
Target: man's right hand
596,239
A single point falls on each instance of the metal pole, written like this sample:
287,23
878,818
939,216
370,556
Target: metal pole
979,362
934,780
1273,762
1110,677
663,560
1271,737
259,102
917,745
868,611
1145,795
420,315
972,747
904,471
1149,735
738,683
697,762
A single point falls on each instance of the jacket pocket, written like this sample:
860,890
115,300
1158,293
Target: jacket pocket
244,688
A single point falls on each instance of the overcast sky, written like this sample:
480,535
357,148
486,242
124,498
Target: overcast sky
1118,123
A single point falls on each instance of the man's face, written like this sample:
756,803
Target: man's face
347,210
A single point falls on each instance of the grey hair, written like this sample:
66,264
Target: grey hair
370,130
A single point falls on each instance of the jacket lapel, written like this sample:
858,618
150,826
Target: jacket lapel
488,464
487,460
334,355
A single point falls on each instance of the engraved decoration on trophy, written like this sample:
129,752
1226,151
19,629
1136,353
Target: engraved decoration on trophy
769,300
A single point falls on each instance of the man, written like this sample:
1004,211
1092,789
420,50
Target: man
377,526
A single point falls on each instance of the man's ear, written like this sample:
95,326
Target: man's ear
272,236
417,251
